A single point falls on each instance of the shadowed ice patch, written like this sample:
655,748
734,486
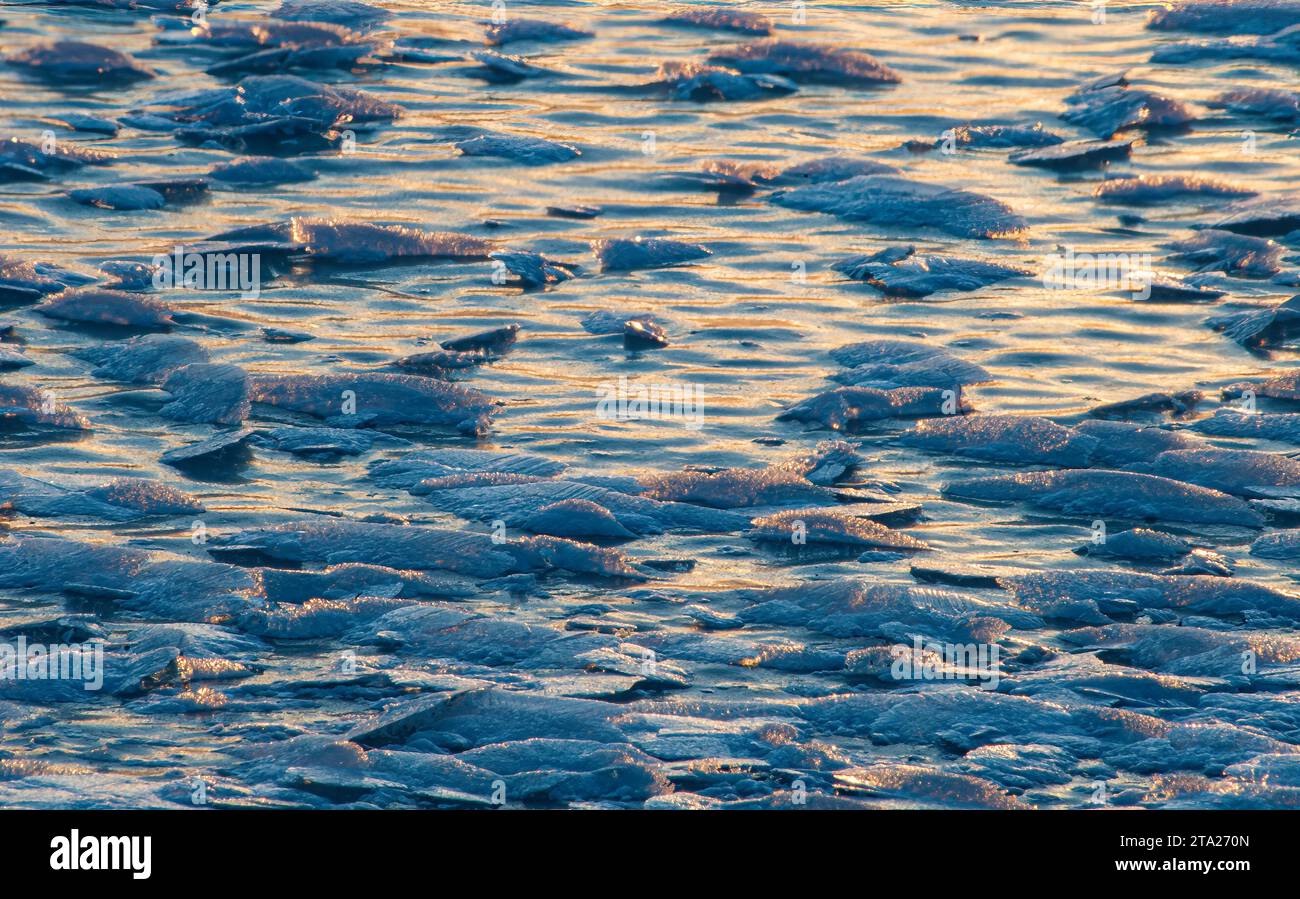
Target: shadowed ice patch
1125,495
807,62
347,243
847,408
900,203
1110,105
1226,16
124,499
376,400
1067,594
107,307
1024,439
21,160
901,271
77,62
623,254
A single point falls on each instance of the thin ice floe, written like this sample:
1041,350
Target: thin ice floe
1138,544
1149,405
1079,594
124,499
78,62
13,358
517,29
915,784
499,67
147,359
277,48
1240,472
1075,155
624,254
1226,16
376,400
142,196
1273,107
518,148
992,137
107,307
276,113
348,243
215,393
1282,106
125,197
22,160
901,271
1282,426
1004,438
1234,254
30,407
848,408
222,447
326,442
886,364
535,270
894,202
348,13
721,18
22,281
807,62
1144,190
831,526
852,608
830,168
1121,494
1285,386
1109,106
440,363
88,124
1262,217
406,471
526,505
337,541
1260,327
803,479
704,83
